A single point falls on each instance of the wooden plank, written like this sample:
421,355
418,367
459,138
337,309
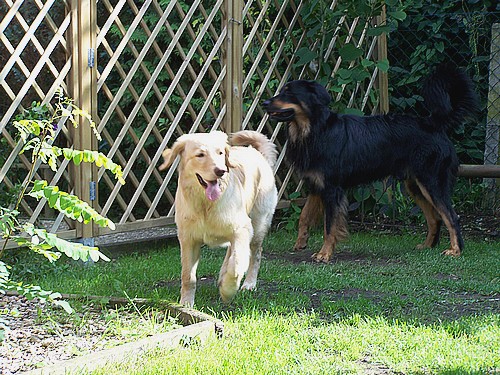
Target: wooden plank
486,171
84,91
138,224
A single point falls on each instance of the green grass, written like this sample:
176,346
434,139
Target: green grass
379,306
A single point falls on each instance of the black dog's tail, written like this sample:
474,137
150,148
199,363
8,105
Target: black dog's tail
450,97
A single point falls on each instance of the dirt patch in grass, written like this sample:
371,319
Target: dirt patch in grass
306,256
478,225
458,305
452,306
373,368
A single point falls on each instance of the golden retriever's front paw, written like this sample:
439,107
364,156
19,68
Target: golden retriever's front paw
421,246
188,302
452,252
228,287
249,285
322,257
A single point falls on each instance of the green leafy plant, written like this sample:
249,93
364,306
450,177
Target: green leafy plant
351,65
291,214
387,198
37,132
433,33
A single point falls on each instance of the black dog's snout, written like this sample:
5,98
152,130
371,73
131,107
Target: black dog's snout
266,103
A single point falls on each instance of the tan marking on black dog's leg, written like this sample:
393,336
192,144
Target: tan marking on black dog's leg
450,219
310,214
433,224
431,216
329,243
333,233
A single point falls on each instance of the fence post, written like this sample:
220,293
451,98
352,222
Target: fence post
83,89
233,59
383,81
492,138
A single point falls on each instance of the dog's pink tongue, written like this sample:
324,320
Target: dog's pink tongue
213,190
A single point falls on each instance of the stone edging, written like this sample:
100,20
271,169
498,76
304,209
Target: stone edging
198,327
198,331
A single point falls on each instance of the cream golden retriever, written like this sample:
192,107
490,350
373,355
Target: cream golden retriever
226,196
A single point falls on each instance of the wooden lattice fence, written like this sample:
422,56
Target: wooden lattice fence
148,71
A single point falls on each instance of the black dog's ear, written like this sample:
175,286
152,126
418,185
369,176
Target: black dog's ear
321,94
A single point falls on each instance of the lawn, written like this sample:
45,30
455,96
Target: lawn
380,307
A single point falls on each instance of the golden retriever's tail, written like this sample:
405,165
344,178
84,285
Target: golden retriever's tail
258,141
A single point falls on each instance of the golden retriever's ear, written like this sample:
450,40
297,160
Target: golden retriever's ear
170,154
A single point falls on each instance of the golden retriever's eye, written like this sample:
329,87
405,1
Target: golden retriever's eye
200,155
221,152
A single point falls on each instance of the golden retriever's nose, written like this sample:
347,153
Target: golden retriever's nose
219,172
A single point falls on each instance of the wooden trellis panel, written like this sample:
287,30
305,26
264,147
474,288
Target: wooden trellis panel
160,76
149,71
34,63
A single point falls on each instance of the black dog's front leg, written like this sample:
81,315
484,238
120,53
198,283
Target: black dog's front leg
310,215
335,224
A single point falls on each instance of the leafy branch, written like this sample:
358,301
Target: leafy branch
70,205
37,133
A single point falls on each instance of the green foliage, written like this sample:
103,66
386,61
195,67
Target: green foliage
72,206
37,133
291,214
357,65
435,32
387,198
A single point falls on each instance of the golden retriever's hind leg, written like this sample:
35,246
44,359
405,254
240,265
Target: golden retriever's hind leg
310,215
253,269
190,255
262,217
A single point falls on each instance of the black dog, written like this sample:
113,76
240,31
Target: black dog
333,151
